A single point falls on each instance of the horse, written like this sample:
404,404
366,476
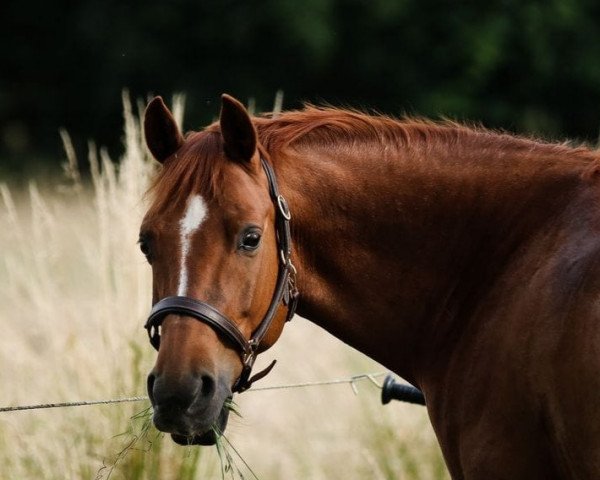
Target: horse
463,259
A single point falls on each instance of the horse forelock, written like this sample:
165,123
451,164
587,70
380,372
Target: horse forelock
196,168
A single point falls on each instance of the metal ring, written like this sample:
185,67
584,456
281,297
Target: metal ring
291,267
284,207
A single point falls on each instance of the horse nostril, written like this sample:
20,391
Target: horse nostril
180,392
150,386
208,386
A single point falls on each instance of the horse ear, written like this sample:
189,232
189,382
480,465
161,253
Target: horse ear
239,134
162,133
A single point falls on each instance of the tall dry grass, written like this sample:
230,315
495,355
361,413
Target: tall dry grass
74,297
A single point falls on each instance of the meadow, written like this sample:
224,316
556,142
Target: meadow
75,294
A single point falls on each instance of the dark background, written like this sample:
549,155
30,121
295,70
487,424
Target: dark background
522,65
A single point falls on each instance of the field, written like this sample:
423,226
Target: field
75,293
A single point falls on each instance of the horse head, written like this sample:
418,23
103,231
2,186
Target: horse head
210,237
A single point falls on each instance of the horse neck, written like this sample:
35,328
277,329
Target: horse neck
395,246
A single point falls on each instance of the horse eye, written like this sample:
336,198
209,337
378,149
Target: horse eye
250,240
145,248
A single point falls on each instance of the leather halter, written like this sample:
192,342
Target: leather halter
285,291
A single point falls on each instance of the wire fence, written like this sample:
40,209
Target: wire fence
352,381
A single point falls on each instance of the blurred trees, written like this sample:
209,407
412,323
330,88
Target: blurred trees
527,65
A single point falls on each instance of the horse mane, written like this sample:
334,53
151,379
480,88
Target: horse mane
327,125
330,126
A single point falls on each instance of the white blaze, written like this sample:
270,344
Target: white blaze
194,215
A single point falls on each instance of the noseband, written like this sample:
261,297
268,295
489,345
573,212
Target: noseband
286,292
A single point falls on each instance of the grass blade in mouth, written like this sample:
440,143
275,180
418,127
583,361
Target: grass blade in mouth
225,458
230,405
229,467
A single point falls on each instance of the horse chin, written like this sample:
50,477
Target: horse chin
207,438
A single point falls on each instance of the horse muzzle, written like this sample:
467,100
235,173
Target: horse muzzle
193,409
208,438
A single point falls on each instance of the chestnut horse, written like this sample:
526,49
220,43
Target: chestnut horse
466,261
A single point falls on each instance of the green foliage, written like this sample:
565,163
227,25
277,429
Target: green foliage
527,65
